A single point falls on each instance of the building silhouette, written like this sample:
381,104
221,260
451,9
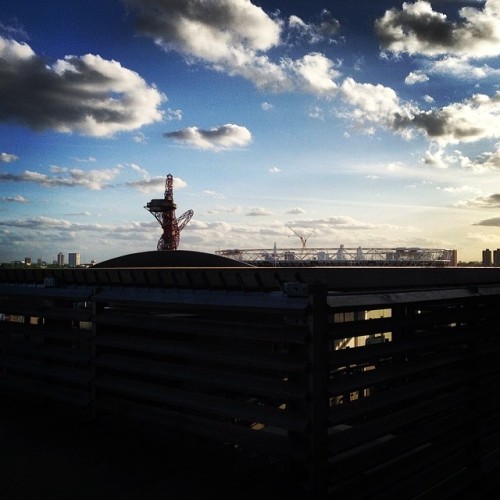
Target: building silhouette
73,259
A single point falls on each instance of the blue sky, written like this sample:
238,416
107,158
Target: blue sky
373,124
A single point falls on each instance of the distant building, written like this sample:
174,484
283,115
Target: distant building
73,259
496,257
27,261
60,259
487,262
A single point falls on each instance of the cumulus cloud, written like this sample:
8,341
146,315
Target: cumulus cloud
488,161
258,212
228,136
88,94
417,28
462,68
473,119
234,36
438,158
416,77
296,211
375,105
8,157
313,73
91,179
148,185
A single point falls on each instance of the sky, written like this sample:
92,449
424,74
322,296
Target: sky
367,123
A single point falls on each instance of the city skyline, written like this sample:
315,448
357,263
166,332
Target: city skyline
275,119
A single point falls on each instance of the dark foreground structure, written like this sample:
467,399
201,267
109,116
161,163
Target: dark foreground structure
362,382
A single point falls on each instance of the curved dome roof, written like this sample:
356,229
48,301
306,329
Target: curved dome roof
171,258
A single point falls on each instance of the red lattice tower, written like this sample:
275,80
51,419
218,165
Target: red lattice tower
164,212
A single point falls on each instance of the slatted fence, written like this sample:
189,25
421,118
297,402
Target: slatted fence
366,383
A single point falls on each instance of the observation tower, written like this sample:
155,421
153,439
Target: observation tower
163,210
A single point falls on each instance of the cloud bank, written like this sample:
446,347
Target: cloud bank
88,95
235,36
418,29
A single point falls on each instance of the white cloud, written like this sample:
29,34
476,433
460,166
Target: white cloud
266,106
438,158
463,69
234,36
374,104
275,170
314,73
228,136
418,29
473,119
416,77
296,211
173,114
326,28
88,95
14,199
488,161
8,157
155,184
90,179
258,212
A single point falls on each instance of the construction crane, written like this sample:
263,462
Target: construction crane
163,210
302,238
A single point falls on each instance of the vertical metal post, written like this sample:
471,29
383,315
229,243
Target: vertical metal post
96,309
318,389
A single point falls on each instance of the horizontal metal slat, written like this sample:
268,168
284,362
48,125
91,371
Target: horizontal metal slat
73,294
361,409
200,298
42,388
55,313
20,348
275,361
388,324
387,298
217,406
249,384
415,344
63,333
390,372
420,413
260,440
52,371
275,332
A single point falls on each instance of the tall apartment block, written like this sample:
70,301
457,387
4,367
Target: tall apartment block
487,262
73,259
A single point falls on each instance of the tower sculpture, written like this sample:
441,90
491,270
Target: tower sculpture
163,210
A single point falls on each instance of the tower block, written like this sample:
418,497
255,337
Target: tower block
163,210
